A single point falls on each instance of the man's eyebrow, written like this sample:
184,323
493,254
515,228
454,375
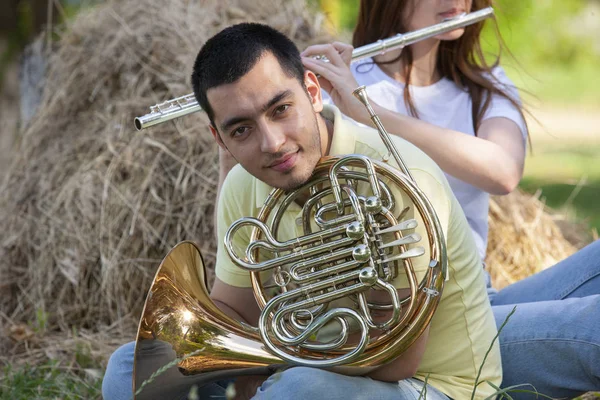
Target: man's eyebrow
277,98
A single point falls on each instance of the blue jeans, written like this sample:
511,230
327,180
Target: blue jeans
552,342
300,383
294,383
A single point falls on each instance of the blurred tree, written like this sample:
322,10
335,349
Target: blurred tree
341,13
20,22
23,19
539,32
535,31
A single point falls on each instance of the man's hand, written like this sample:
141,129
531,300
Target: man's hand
237,302
246,386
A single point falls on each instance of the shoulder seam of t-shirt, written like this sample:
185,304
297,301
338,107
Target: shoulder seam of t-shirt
418,169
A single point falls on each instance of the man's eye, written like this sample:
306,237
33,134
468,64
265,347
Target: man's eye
282,108
239,132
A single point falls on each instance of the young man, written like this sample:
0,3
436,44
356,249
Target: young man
277,129
267,111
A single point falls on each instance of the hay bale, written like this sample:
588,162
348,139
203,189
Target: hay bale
90,206
526,237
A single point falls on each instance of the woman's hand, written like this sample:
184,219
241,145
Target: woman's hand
336,77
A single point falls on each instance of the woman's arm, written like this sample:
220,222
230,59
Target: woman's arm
493,161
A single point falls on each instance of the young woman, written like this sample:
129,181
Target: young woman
438,94
441,95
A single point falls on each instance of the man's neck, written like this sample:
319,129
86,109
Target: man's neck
326,130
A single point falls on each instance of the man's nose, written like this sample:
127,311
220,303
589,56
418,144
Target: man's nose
272,138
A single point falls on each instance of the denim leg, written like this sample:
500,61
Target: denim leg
301,383
553,345
552,339
575,276
117,382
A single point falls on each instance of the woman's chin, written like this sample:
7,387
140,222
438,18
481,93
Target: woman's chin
452,35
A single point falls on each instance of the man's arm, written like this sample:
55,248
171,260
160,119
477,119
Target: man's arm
406,364
237,302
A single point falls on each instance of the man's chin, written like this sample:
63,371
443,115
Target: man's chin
291,182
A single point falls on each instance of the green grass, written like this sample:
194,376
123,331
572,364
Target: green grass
579,202
48,381
569,179
572,85
553,163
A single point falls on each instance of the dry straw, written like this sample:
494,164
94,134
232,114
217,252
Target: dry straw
89,206
526,237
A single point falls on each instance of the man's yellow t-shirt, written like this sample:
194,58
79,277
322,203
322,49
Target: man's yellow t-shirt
463,326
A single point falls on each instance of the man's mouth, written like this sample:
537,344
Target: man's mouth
285,163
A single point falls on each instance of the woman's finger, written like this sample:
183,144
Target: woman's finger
327,50
345,51
319,67
325,84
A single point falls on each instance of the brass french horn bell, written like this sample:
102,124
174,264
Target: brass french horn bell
180,319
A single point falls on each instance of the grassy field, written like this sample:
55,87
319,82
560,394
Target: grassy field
568,176
52,381
49,381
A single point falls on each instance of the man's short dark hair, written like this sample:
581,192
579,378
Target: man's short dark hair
233,52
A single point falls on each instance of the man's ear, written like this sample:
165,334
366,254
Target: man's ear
216,135
314,90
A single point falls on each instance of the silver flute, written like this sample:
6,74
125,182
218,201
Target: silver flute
188,104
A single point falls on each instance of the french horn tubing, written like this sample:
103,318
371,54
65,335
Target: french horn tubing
320,293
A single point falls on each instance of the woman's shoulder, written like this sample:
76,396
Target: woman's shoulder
500,79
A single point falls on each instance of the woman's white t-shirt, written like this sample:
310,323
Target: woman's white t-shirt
446,105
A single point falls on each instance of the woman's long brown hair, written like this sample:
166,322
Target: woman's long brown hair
462,60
